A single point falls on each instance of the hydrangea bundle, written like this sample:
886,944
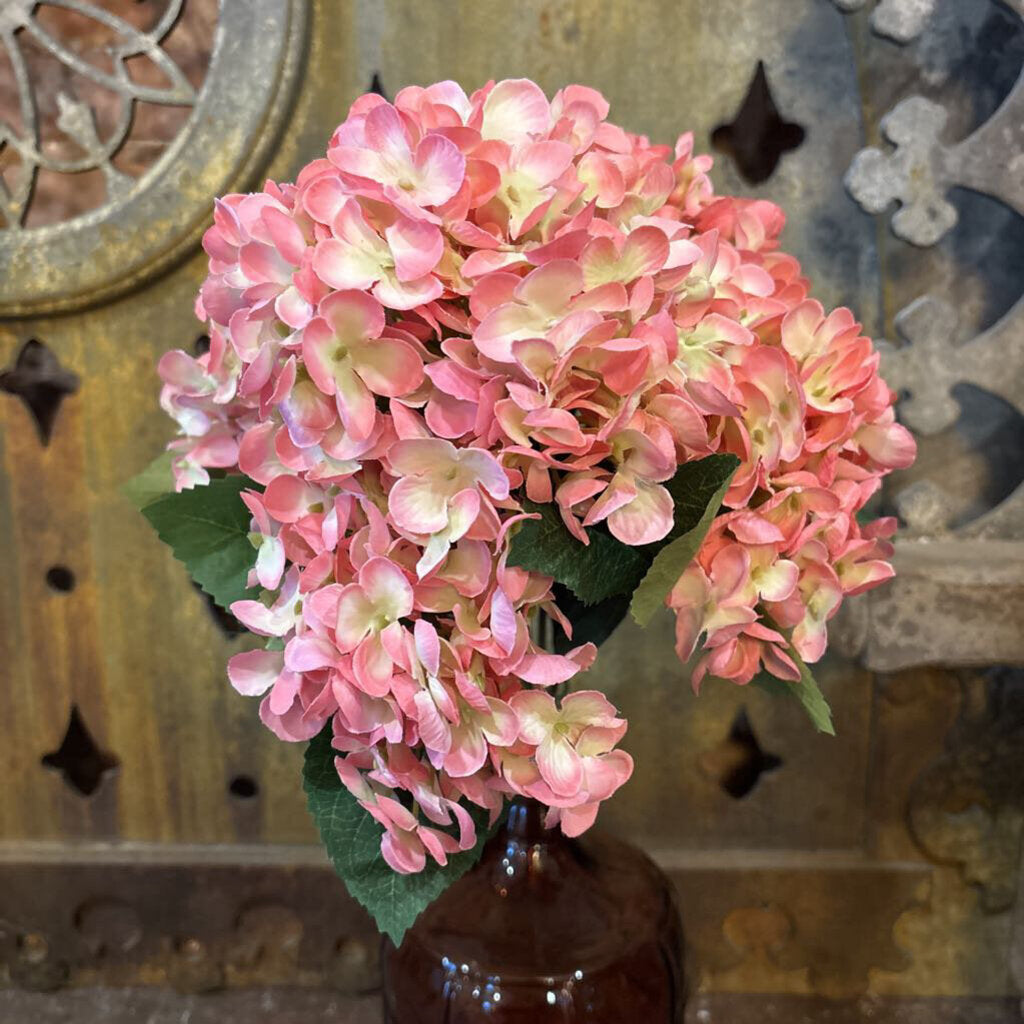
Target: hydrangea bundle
494,359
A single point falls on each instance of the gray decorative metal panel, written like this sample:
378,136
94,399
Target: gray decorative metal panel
963,601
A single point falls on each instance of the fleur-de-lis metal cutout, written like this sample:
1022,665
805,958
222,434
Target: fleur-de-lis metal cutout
758,135
75,119
81,761
39,380
738,761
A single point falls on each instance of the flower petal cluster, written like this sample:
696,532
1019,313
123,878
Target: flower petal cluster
469,301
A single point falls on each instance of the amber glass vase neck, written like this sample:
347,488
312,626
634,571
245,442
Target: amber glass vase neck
546,929
524,822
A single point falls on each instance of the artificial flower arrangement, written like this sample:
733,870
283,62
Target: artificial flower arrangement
492,365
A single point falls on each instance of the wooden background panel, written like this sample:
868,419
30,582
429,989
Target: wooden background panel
813,799
134,645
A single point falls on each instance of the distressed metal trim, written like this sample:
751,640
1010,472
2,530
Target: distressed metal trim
953,602
200,919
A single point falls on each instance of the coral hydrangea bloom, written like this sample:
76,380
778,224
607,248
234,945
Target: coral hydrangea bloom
477,301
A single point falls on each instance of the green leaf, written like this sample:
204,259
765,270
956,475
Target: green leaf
352,838
592,572
806,691
698,489
694,489
207,528
590,623
153,482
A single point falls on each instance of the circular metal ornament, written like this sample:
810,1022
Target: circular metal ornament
150,223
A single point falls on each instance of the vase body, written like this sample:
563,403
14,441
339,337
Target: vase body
544,929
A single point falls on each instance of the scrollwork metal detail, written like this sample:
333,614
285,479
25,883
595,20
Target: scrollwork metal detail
917,173
920,169
76,119
148,221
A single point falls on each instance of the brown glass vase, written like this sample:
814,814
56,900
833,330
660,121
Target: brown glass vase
544,929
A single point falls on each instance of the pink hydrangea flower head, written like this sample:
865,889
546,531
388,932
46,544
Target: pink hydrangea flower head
474,303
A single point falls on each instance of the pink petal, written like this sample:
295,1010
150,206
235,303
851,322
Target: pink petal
588,707
435,732
778,582
549,288
503,620
546,669
403,852
372,667
324,198
468,751
288,498
502,326
441,169
408,294
449,417
537,714
463,510
560,766
428,646
355,612
891,445
355,402
257,617
262,263
779,663
318,349
647,518
467,830
487,470
385,135
502,725
730,570
342,265
309,653
515,109
252,673
416,246
604,775
282,696
293,308
574,821
285,234
603,179
386,587
417,506
645,252
292,726
421,456
389,366
543,162
353,315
